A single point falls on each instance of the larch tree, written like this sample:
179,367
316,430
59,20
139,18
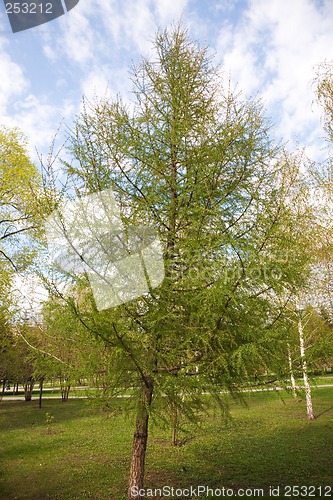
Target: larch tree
195,162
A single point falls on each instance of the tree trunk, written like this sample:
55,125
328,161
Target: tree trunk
174,419
65,386
40,392
28,388
309,407
174,430
291,372
136,479
65,392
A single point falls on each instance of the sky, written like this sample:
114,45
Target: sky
268,48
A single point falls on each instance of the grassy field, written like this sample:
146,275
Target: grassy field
84,453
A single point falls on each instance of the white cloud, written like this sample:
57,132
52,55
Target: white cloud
78,37
130,26
95,83
273,50
77,42
225,5
168,12
12,82
21,108
30,293
50,52
105,80
39,121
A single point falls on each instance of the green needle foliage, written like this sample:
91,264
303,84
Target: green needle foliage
196,161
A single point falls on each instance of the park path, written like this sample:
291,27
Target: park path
21,398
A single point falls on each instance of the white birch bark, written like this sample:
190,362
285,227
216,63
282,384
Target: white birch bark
292,378
309,407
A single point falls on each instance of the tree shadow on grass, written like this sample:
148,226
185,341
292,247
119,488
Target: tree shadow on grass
280,457
20,415
323,412
82,458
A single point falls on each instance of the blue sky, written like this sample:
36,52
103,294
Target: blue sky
268,47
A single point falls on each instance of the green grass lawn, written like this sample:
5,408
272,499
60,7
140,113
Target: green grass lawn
85,453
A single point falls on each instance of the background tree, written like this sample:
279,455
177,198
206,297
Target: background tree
21,215
324,90
20,212
70,354
312,332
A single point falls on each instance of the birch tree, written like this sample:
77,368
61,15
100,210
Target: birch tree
304,366
317,290
20,222
20,211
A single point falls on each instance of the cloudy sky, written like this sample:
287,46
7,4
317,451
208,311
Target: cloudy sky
267,47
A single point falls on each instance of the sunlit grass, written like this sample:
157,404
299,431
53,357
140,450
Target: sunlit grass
84,453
